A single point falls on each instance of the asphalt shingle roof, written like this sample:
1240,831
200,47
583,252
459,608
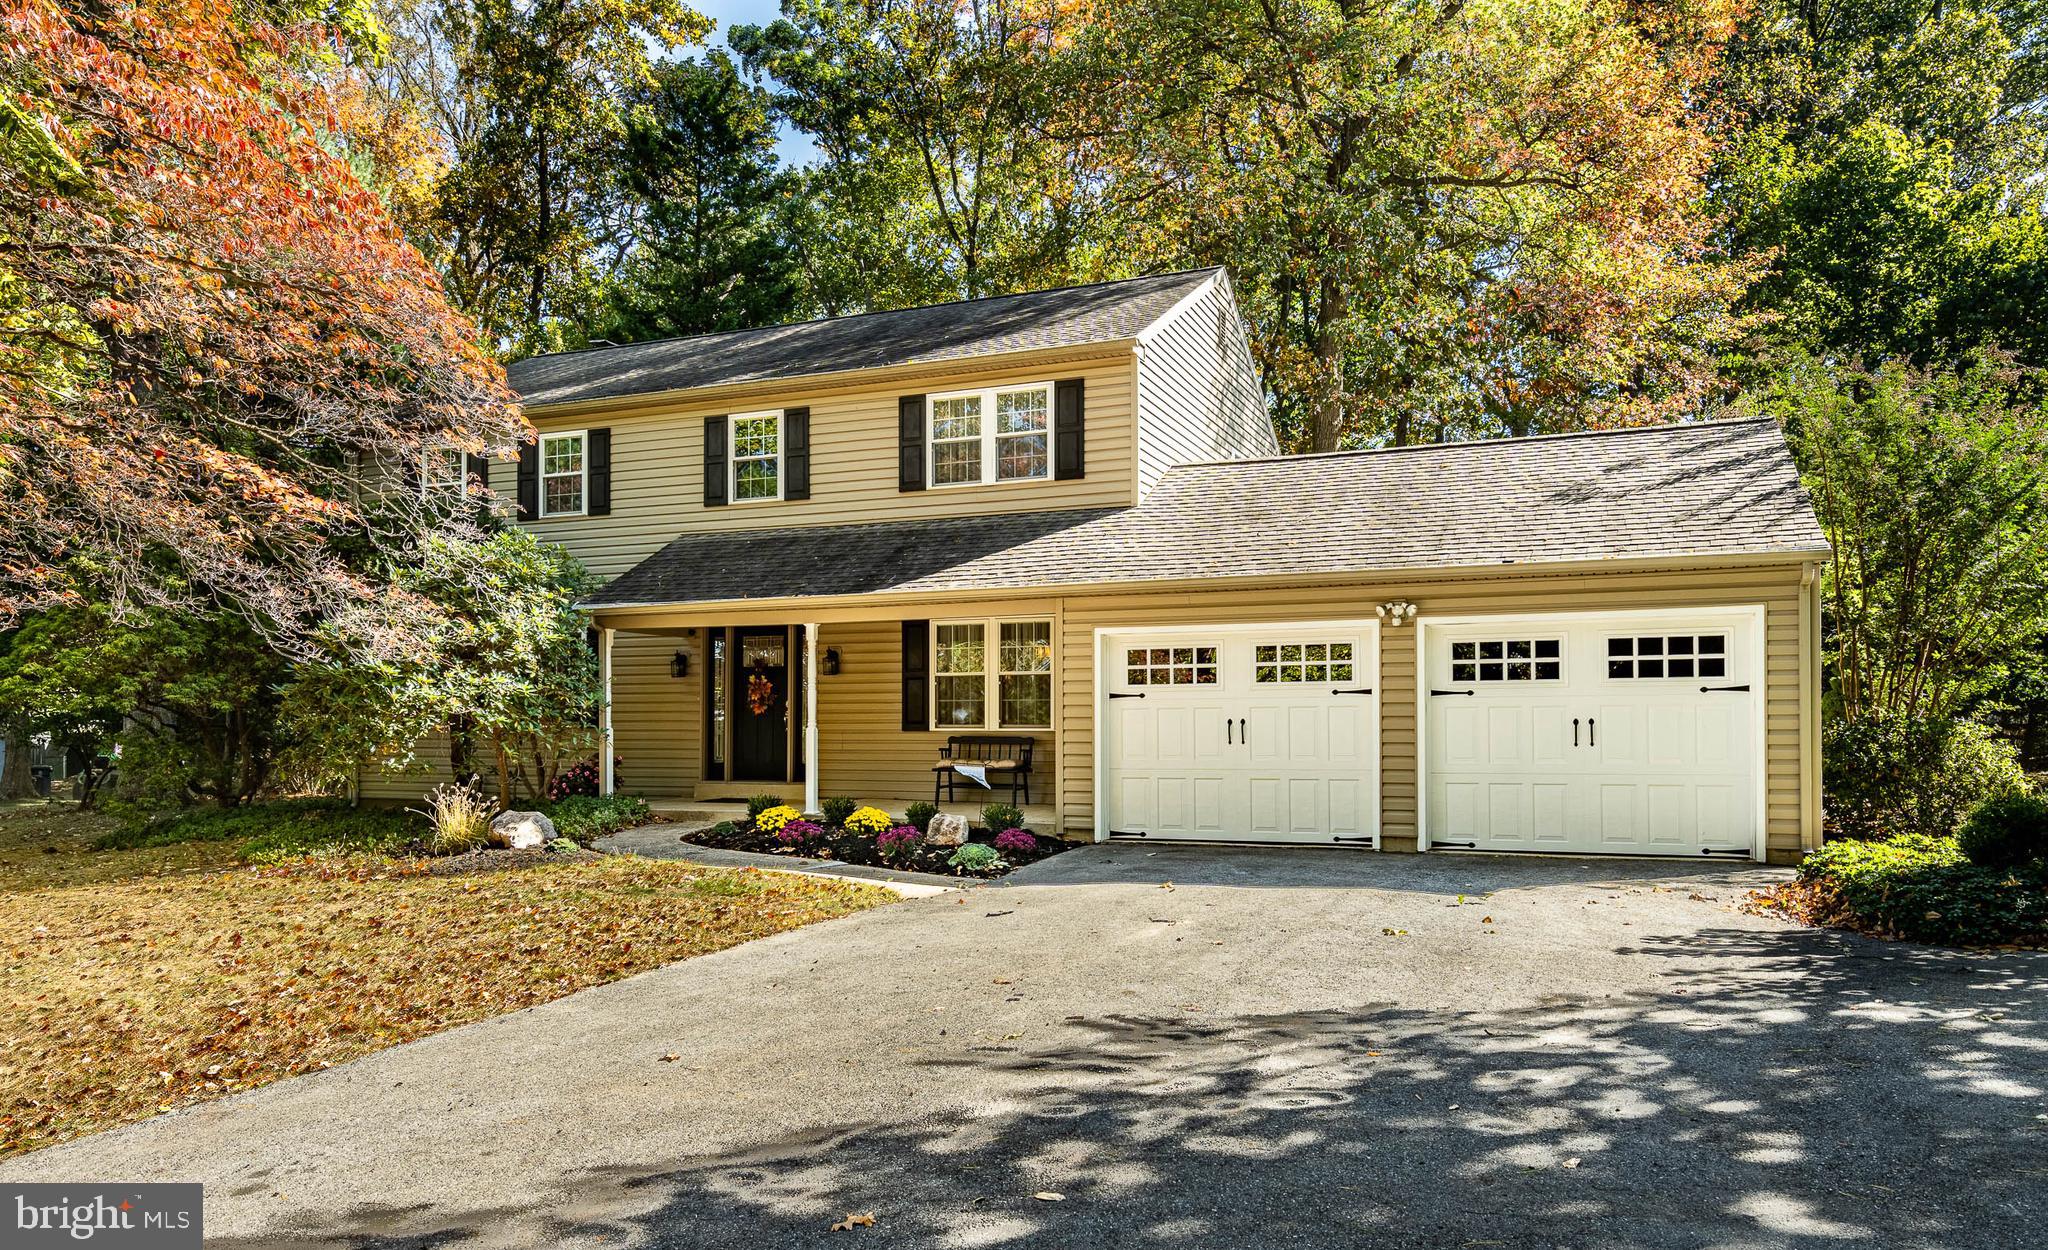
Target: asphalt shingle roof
1069,317
1680,491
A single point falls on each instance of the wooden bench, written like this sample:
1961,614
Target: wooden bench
995,754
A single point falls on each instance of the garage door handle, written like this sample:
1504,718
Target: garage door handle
1592,738
1712,689
1244,736
1226,731
1367,690
1575,731
1134,695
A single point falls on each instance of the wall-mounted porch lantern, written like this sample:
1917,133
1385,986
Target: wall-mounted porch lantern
679,664
828,663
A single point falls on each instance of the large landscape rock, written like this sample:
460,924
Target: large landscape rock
521,830
947,830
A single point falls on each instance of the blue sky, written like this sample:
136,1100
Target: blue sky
794,148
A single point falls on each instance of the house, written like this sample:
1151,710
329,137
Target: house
1062,517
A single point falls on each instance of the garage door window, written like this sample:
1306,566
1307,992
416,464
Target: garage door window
1653,656
1508,659
1170,666
1281,663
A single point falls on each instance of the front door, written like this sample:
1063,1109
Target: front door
760,705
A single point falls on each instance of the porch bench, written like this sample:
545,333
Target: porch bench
993,753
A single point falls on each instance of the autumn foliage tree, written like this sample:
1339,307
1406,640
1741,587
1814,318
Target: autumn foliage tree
212,342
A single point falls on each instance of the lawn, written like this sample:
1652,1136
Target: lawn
141,980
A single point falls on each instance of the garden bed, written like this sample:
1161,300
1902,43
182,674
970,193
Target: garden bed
854,847
1914,888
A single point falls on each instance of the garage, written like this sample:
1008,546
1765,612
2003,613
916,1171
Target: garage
1265,733
1605,733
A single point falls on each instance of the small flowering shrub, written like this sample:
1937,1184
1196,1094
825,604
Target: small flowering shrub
1001,816
867,820
836,811
772,819
1016,840
977,857
582,779
800,833
897,842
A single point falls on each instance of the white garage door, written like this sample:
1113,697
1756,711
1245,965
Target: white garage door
1621,735
1240,734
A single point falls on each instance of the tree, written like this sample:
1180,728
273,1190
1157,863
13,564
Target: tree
509,677
936,179
1447,218
700,167
52,688
1932,486
209,333
528,217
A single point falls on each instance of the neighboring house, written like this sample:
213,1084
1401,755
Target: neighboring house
1062,516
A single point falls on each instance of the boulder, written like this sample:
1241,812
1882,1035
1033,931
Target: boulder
947,830
522,830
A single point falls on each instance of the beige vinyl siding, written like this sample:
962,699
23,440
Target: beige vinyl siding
658,462
1199,397
1777,587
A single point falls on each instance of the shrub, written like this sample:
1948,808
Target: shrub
898,842
1888,775
836,811
800,832
867,820
1001,816
584,779
289,827
585,818
761,803
2006,832
1922,888
771,820
461,816
565,846
1016,840
976,857
919,815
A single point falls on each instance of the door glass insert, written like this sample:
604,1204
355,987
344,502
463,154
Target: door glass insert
1508,659
1191,665
1667,655
1275,663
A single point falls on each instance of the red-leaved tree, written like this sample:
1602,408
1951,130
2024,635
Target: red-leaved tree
214,347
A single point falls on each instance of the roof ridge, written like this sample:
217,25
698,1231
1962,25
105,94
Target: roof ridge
1665,428
872,312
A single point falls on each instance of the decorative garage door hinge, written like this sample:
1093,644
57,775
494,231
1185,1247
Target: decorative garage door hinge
1367,690
1119,694
1367,841
1453,846
1127,833
1733,852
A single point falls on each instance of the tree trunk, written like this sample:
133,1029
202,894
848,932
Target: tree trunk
15,781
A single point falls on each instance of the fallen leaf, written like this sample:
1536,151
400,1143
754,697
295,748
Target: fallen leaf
1166,885
1572,1162
670,1057
1486,920
852,1221
1047,1195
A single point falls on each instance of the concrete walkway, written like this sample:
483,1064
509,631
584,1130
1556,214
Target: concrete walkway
669,842
1192,1048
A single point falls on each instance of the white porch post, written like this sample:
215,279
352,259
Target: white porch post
604,712
811,804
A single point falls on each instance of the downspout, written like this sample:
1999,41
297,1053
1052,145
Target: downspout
1809,707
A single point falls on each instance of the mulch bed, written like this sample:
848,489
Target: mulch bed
498,859
855,848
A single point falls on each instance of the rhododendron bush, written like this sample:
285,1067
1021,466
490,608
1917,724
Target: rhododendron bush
211,337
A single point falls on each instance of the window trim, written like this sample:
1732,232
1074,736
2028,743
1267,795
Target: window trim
990,440
1726,655
542,475
733,458
992,673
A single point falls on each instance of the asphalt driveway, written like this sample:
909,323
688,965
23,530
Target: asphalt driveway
1285,1048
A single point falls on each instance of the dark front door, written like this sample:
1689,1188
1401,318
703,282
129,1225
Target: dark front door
760,705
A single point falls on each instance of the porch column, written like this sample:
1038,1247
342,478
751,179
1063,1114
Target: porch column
604,712
811,804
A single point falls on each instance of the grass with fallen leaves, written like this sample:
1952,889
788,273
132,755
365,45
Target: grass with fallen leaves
141,980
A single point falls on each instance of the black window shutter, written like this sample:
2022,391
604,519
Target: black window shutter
714,461
477,469
597,494
917,675
1069,441
529,481
910,443
796,453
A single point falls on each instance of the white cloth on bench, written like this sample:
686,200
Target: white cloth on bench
977,773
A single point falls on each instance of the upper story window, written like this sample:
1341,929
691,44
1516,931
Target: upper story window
563,474
756,456
1002,434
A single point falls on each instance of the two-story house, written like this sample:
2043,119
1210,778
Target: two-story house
1061,520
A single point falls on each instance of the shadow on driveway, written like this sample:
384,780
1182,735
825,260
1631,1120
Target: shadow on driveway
1812,1090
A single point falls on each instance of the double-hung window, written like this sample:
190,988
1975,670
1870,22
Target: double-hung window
442,470
563,472
756,456
1003,434
975,686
